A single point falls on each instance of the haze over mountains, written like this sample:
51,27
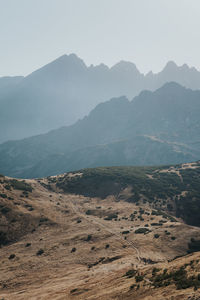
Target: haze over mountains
161,127
7,84
66,90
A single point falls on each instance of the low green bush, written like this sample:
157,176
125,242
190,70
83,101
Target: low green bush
142,230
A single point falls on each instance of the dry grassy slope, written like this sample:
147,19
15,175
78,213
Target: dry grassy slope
58,224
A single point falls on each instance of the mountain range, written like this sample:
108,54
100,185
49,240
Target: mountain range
66,90
155,128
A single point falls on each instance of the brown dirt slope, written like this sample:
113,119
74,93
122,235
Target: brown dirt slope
63,246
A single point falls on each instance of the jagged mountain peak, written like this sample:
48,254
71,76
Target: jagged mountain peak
64,63
101,67
66,90
170,66
67,58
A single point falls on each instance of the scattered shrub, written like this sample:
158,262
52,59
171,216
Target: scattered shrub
139,278
133,286
111,217
156,236
130,273
43,220
167,232
5,210
12,256
7,187
155,270
125,232
40,252
156,224
142,230
21,185
73,291
89,237
3,195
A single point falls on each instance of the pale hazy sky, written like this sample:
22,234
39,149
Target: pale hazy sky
146,32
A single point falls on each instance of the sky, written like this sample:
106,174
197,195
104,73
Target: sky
146,32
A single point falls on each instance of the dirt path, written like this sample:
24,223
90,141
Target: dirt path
94,221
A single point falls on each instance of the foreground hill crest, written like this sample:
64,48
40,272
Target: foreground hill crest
122,227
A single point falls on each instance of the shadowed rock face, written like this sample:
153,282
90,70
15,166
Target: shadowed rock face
66,90
155,128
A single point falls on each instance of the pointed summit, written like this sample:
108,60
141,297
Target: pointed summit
71,58
185,67
170,66
149,74
125,67
63,65
68,61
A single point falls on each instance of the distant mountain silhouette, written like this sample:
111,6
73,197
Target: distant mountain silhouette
161,127
184,75
66,90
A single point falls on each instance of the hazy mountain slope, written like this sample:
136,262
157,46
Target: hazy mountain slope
171,112
158,127
7,84
59,94
66,90
140,151
18,155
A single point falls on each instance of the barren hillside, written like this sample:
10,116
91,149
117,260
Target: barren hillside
57,244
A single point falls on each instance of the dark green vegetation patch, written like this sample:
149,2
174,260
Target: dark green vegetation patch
194,246
179,277
176,193
21,185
